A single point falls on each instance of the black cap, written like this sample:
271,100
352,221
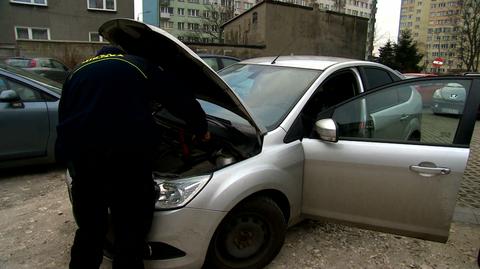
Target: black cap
110,50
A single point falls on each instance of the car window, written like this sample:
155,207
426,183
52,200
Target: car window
22,63
228,62
3,84
339,87
44,63
270,92
212,62
26,93
220,112
58,65
397,114
33,77
376,77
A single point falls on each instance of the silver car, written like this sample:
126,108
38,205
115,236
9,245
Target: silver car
293,138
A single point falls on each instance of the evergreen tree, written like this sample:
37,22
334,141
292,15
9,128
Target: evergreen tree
406,53
387,55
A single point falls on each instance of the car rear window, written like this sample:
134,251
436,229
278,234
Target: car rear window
22,63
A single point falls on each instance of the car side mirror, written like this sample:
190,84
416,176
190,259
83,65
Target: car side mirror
327,130
9,96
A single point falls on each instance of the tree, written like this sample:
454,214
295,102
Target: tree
469,49
214,16
387,55
406,53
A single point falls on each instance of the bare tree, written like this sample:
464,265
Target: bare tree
216,13
469,35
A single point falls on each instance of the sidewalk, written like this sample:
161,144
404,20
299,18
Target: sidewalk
468,200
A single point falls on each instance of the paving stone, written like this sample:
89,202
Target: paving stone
469,194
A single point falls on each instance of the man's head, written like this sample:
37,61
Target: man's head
109,49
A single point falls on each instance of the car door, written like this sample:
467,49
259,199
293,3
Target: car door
24,124
384,181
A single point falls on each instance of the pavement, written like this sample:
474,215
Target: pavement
468,200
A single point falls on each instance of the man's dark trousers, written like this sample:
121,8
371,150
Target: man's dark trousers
123,185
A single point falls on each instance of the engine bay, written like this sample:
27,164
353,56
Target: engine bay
179,154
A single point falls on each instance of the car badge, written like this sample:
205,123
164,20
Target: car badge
453,96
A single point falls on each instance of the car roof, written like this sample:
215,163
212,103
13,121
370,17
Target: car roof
310,62
205,55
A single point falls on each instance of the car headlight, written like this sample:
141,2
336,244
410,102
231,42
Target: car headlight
437,94
174,193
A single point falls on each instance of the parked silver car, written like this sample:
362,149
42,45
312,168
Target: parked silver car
295,138
28,117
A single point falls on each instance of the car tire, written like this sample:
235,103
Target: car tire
250,236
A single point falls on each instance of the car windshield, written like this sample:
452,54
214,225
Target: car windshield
270,92
50,84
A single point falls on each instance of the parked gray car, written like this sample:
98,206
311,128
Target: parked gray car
449,99
218,62
28,117
292,138
47,67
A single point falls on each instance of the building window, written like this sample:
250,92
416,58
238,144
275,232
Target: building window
193,12
166,24
95,37
30,2
106,5
32,33
181,11
181,26
168,10
193,26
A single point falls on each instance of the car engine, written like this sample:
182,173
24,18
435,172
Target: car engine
178,154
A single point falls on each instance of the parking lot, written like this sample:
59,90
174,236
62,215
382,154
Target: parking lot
37,227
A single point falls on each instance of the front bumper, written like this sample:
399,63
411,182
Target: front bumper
178,238
441,106
188,230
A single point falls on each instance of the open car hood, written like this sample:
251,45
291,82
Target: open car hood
171,54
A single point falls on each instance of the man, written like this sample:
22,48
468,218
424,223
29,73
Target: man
106,137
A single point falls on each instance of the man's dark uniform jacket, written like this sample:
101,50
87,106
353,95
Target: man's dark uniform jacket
105,108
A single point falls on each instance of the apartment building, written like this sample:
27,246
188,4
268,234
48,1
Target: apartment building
361,8
193,20
434,25
57,19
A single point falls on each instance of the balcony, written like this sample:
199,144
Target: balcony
165,15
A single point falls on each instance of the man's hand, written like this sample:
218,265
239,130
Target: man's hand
202,139
206,137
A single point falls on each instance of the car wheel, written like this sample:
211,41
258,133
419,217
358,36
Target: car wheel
250,236
416,136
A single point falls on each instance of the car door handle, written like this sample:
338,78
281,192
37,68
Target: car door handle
430,171
404,117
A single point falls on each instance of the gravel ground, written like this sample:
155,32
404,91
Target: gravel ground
37,227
